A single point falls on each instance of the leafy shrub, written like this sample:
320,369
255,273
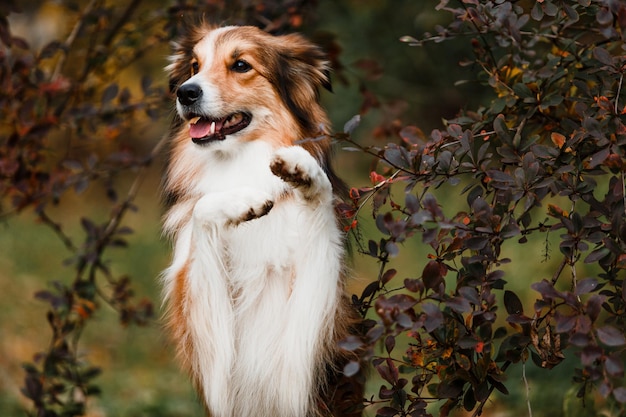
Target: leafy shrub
546,155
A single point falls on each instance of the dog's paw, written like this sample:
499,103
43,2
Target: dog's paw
297,167
258,209
232,208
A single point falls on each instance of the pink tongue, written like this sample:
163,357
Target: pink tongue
203,128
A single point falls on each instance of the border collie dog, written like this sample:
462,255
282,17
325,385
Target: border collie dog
255,290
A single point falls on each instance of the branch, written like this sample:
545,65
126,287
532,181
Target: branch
479,410
556,275
120,23
132,193
56,227
70,40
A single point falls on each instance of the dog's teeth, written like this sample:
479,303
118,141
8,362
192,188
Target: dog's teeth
234,119
194,120
212,131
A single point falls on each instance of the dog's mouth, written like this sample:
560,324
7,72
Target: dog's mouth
204,129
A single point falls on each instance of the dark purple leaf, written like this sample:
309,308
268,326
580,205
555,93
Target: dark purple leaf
375,333
404,320
388,275
565,323
590,354
392,248
452,389
387,412
411,135
470,294
614,365
459,304
604,17
351,368
352,124
388,371
620,394
146,83
373,248
350,343
579,339
512,303
611,336
586,286
401,302
467,342
518,319
594,306
390,343
597,255
434,317
414,285
433,275
476,243
412,203
370,289
50,49
109,93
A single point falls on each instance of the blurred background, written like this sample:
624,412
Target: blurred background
386,81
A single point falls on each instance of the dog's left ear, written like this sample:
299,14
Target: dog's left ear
300,69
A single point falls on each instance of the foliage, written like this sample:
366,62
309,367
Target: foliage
67,116
546,156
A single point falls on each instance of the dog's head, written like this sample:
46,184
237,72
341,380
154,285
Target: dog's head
242,82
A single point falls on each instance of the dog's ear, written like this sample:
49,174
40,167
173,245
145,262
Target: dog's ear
299,70
179,69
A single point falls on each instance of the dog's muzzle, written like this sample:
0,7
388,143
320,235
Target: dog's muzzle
204,129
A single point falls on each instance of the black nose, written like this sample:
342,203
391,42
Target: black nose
189,94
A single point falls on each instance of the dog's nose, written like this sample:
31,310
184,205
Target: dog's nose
189,94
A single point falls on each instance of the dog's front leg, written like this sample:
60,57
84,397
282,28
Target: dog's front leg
208,300
231,208
297,167
316,285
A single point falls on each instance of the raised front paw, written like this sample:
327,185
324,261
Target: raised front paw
297,167
254,212
232,208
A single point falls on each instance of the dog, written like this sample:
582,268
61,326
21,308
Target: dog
255,290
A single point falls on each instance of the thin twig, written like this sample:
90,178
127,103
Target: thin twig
619,90
624,191
56,227
70,40
530,410
120,23
572,265
555,276
479,409
134,188
376,188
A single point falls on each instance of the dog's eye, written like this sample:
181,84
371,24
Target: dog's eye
241,66
195,67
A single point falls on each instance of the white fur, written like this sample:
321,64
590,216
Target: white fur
262,294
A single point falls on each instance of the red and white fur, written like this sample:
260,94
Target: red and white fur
255,290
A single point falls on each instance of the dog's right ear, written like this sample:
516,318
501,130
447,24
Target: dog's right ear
298,68
179,69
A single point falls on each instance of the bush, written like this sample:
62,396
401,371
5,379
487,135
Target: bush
546,155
